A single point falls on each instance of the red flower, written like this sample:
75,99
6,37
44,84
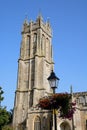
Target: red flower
61,101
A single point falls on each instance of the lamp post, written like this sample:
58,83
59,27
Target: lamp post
53,81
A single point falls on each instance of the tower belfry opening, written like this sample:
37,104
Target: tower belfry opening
34,66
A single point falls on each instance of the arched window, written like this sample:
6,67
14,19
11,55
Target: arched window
42,41
65,126
37,123
47,49
28,46
34,42
35,38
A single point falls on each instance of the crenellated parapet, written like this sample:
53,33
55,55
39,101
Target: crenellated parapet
36,40
38,24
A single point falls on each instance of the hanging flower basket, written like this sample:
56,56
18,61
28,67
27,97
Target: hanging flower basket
61,102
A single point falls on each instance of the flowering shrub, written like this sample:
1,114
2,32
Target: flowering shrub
60,101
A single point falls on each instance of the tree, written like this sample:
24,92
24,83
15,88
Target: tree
1,97
5,116
10,116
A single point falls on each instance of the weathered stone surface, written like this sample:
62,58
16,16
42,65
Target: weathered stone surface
34,66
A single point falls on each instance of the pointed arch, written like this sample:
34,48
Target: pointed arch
35,38
34,42
27,45
37,123
47,48
42,42
65,126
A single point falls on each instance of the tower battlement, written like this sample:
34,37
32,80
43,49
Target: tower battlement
28,27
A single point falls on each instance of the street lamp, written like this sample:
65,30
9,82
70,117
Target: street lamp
53,81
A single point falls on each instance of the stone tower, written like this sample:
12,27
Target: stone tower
34,66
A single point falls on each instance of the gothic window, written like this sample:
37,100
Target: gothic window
37,123
26,75
35,38
65,126
34,42
32,73
47,48
28,46
42,41
31,99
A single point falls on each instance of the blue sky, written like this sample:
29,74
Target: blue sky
68,20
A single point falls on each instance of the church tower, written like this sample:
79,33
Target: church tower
34,66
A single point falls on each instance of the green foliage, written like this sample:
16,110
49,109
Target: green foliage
5,116
7,127
1,97
10,116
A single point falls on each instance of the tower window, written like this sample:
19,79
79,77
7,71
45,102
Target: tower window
42,41
28,46
35,38
34,43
